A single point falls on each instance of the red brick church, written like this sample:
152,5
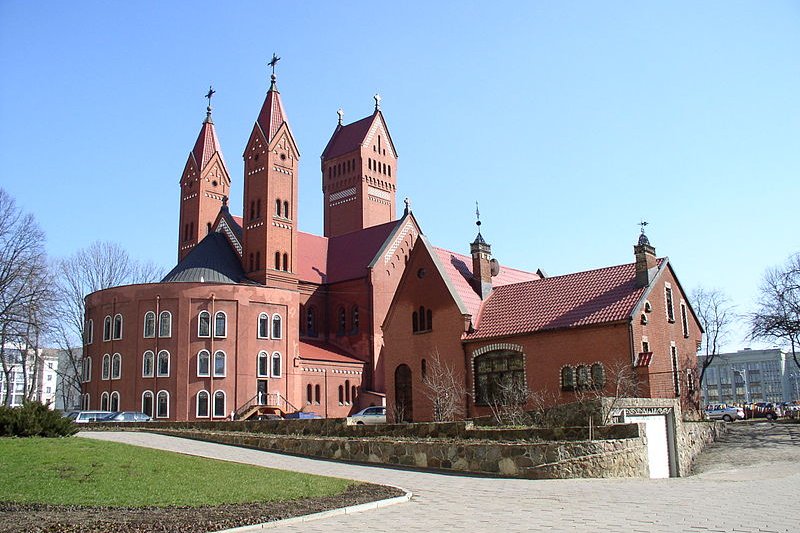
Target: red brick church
259,317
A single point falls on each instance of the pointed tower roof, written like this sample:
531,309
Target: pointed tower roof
207,143
272,115
346,139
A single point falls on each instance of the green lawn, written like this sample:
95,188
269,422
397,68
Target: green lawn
80,471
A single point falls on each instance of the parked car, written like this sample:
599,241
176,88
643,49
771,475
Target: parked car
765,410
127,416
84,417
723,412
370,415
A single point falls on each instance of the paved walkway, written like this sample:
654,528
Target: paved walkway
743,495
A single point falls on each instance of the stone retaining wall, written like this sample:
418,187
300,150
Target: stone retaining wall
692,438
536,460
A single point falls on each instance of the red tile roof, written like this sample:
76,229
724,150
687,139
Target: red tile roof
312,259
458,268
584,298
272,115
206,145
348,138
320,351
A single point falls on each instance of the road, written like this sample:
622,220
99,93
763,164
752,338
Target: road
744,483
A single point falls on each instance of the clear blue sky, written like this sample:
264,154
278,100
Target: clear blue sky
569,121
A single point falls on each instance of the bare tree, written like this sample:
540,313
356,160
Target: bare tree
508,402
616,382
24,285
99,266
716,314
777,316
444,388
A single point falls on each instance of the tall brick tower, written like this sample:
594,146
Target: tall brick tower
359,175
270,195
204,183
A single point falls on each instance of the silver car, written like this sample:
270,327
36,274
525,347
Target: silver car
723,412
370,415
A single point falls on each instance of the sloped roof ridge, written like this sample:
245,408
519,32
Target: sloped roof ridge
553,279
503,267
347,138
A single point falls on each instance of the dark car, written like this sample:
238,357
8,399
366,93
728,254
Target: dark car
764,410
126,416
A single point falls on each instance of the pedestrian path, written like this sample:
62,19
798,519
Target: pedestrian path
441,502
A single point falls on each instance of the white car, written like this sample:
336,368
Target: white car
370,415
722,412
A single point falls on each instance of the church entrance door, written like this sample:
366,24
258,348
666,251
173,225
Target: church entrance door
403,410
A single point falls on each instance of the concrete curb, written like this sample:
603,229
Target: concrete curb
324,514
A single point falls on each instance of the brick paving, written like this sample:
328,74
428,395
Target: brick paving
749,483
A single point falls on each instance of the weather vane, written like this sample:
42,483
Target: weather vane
274,62
377,98
209,94
643,223
477,215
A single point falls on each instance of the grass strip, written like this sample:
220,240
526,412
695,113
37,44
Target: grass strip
75,471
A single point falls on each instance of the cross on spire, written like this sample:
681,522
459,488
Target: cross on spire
209,94
273,62
477,216
643,223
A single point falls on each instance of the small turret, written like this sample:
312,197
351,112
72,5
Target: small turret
482,262
646,264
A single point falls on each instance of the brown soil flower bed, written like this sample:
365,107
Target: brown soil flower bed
69,518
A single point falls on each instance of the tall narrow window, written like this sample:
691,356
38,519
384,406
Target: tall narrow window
311,321
147,403
219,404
148,364
676,380
277,330
117,327
598,376
263,365
414,322
162,404
341,395
165,324
203,363
116,367
309,396
87,369
347,391
219,363
220,324
567,378
277,260
342,321
670,308
286,262
163,363
149,325
316,394
202,404
286,209
278,207
104,401
106,367
263,326
107,328
204,324
582,376
684,320
276,365
353,393
89,332
354,319
114,406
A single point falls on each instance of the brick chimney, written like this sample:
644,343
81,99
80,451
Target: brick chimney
646,265
481,266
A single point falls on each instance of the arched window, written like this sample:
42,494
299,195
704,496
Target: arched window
86,401
165,324
354,319
347,391
114,406
598,376
106,367
219,404
276,327
220,324
163,364
424,368
147,403
263,364
204,324
263,326
87,369
203,363
276,365
342,321
278,207
422,324
403,394
309,396
429,317
353,394
567,378
89,332
202,404
286,209
117,327
286,262
107,328
316,394
219,363
162,404
414,322
499,377
311,321
582,377
277,260
104,401
341,395
116,367
149,325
